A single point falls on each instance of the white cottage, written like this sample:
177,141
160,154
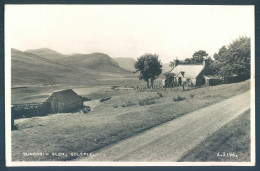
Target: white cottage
190,73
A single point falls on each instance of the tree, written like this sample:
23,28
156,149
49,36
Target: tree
239,51
187,61
222,54
172,64
150,67
198,57
214,68
234,59
180,62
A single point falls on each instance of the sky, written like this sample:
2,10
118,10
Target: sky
171,31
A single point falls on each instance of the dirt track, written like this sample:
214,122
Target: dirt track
172,140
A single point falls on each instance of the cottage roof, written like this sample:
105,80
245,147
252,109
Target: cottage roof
67,96
188,71
181,73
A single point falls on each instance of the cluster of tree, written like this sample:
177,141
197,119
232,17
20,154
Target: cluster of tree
196,59
150,67
231,60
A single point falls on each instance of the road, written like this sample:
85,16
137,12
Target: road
172,140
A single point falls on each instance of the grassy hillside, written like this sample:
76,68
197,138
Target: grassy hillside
233,139
46,53
123,116
30,69
95,61
126,63
50,67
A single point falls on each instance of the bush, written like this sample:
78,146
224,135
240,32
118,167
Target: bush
160,94
141,102
128,104
86,109
178,98
115,106
157,97
147,101
191,95
150,98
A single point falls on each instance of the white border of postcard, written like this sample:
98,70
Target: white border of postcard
9,161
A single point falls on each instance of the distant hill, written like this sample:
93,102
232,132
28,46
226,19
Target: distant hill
29,69
126,63
98,62
166,68
45,66
46,53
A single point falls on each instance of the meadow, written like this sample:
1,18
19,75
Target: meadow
127,113
231,143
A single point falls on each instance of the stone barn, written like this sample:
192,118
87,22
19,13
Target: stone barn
190,73
65,101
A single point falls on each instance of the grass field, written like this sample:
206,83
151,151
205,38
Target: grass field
123,116
230,143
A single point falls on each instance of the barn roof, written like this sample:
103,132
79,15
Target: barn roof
188,71
67,96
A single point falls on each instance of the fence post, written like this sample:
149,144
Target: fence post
12,119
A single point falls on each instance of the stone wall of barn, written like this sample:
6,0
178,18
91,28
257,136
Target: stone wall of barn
71,107
200,79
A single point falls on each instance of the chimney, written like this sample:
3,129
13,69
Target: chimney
206,64
176,62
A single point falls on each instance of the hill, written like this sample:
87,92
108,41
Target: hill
46,53
126,63
30,69
97,62
166,68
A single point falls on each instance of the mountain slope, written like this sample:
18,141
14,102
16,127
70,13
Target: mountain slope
126,63
29,69
166,68
46,53
98,62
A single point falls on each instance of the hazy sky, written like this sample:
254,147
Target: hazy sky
128,30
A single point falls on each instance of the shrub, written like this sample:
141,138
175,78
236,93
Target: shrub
86,109
160,94
150,98
147,101
129,103
115,106
178,98
141,102
157,97
191,95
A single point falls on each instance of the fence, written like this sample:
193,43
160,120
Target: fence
28,110
234,79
